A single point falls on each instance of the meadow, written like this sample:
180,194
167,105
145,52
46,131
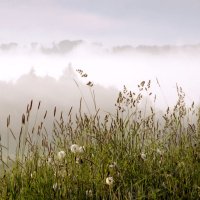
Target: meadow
134,153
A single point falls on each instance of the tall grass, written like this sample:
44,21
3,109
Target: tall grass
131,154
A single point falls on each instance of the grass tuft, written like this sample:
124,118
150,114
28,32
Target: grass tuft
133,153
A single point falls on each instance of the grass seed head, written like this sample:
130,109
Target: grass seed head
143,156
61,155
89,193
77,149
109,180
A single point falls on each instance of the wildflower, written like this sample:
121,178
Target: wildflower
89,193
74,148
159,151
109,180
81,149
143,156
161,160
77,149
49,160
61,155
113,165
78,160
33,175
55,186
163,184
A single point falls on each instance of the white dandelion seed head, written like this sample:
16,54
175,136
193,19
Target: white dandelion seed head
81,149
159,151
78,160
33,174
74,148
77,149
113,165
109,180
55,186
61,155
49,160
89,193
143,156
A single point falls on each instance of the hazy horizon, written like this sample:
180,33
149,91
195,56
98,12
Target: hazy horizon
113,66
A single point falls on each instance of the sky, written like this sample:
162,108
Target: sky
108,21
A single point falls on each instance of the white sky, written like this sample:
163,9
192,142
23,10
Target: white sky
107,21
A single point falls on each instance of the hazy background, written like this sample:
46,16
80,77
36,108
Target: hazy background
107,66
116,42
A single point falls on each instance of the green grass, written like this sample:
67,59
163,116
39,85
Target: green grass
143,155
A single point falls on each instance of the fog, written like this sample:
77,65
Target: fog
109,66
47,73
64,93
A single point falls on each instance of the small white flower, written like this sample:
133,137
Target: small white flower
159,151
77,149
163,184
113,165
143,156
81,149
55,186
61,155
89,193
49,160
33,174
109,180
74,148
78,160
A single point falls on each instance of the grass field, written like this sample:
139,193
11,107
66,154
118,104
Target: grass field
130,154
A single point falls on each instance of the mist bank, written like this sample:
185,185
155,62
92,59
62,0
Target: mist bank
113,66
64,94
66,46
51,100
47,95
74,92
